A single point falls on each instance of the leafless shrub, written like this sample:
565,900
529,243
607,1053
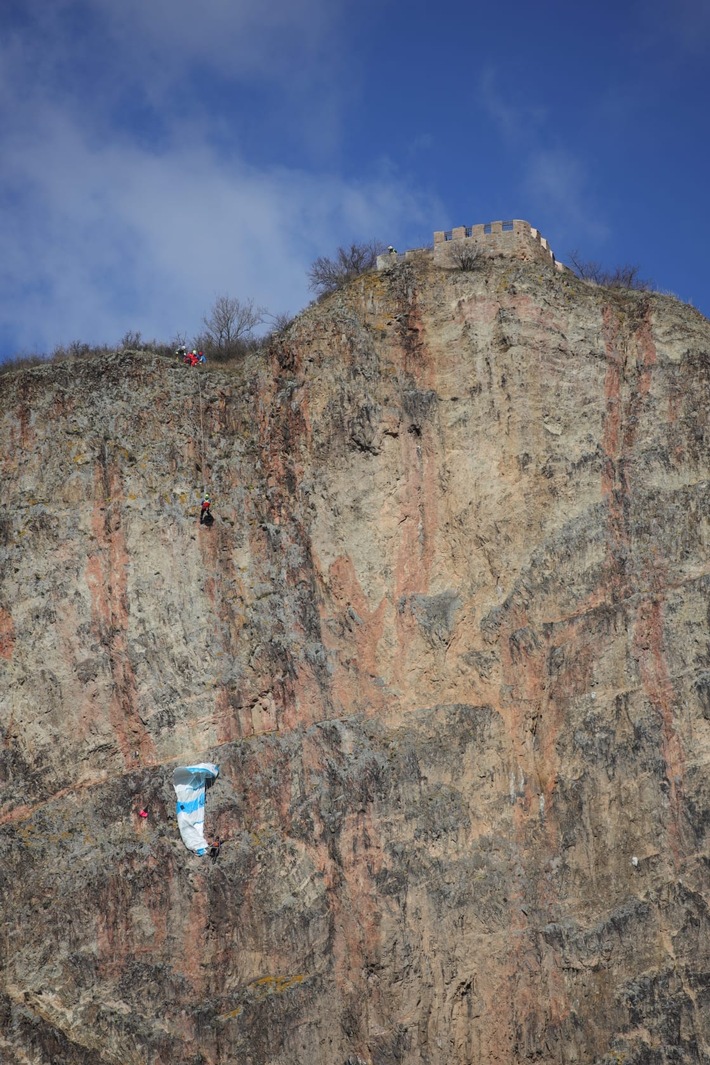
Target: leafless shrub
279,325
78,349
131,341
328,275
81,350
22,362
677,298
463,255
281,322
626,276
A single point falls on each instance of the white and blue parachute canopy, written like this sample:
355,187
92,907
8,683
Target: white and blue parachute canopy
189,784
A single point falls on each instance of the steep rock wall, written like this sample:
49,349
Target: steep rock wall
447,640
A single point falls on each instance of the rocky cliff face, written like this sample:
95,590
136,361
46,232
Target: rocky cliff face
447,641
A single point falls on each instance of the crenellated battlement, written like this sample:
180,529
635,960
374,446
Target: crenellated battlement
514,237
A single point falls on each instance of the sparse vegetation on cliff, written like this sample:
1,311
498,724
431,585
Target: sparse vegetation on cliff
626,276
463,256
229,327
229,333
328,275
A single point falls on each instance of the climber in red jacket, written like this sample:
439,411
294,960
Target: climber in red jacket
205,516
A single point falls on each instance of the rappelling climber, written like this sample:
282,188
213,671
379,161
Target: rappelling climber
205,515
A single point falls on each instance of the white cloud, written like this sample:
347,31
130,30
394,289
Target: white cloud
558,184
110,228
241,39
158,48
108,238
515,122
554,182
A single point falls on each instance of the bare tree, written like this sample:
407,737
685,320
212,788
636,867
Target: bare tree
626,276
230,326
328,275
463,256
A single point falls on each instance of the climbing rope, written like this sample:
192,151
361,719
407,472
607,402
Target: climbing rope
202,434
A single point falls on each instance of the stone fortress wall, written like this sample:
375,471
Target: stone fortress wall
515,237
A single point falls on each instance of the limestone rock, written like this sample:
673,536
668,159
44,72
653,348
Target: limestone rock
447,641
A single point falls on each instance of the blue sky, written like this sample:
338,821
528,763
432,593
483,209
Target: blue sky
158,154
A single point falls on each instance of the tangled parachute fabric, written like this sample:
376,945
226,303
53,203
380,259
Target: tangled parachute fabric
189,783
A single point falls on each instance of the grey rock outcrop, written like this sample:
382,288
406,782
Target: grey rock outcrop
447,640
